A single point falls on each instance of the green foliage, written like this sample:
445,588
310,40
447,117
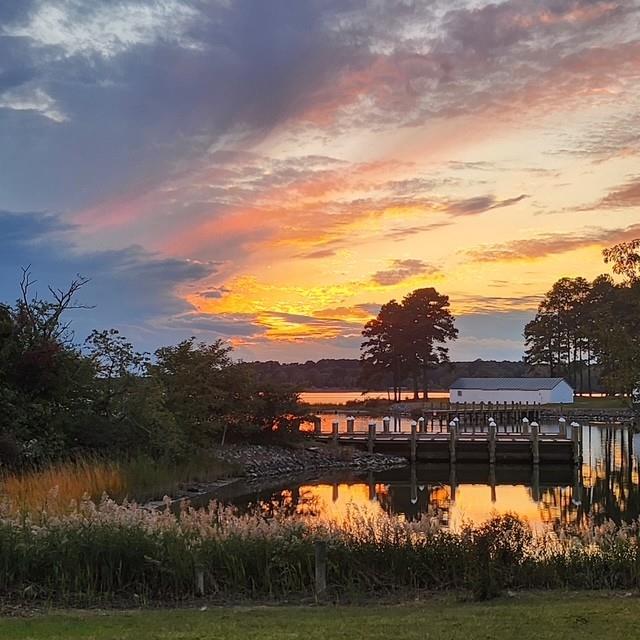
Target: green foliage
58,400
583,329
408,337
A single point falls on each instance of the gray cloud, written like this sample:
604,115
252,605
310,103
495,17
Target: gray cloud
480,204
401,270
553,243
130,288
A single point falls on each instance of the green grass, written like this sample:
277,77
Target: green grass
560,615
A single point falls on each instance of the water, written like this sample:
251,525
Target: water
342,397
606,486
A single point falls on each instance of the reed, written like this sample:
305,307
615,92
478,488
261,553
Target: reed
54,488
106,551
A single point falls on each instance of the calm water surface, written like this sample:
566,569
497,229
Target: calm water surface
342,397
606,485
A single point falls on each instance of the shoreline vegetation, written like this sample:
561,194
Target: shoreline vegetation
55,487
105,554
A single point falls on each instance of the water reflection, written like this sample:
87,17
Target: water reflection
605,486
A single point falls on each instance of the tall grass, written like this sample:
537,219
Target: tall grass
103,551
54,488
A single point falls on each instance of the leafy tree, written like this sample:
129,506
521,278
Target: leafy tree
625,258
385,347
429,326
408,338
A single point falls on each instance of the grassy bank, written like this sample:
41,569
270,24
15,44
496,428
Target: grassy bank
109,552
54,488
527,618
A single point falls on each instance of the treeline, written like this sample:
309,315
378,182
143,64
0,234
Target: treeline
586,330
347,374
60,399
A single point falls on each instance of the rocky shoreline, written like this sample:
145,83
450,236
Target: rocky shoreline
273,464
260,461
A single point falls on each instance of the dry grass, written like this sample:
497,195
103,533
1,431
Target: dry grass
54,488
57,487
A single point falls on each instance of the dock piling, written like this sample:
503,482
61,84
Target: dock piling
452,441
575,438
372,436
351,422
492,442
414,429
535,443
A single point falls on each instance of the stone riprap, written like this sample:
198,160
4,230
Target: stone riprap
266,460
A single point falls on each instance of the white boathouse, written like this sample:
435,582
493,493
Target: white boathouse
532,390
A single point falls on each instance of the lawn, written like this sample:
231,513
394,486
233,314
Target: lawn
539,617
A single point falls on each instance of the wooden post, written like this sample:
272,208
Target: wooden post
562,427
414,443
320,552
199,576
421,427
372,436
386,424
452,442
492,481
525,425
351,423
335,428
535,483
317,425
535,443
414,485
492,443
575,437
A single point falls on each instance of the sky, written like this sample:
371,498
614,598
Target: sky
270,172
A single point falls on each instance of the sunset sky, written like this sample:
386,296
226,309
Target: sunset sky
271,171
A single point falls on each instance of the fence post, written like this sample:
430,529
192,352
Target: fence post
335,427
320,552
421,423
525,425
452,442
317,425
535,443
372,436
386,424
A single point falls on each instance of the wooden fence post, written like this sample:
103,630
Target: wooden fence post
335,428
386,424
320,552
372,436
199,578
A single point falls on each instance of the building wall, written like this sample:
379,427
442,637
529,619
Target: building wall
561,393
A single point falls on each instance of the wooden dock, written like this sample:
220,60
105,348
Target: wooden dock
524,444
